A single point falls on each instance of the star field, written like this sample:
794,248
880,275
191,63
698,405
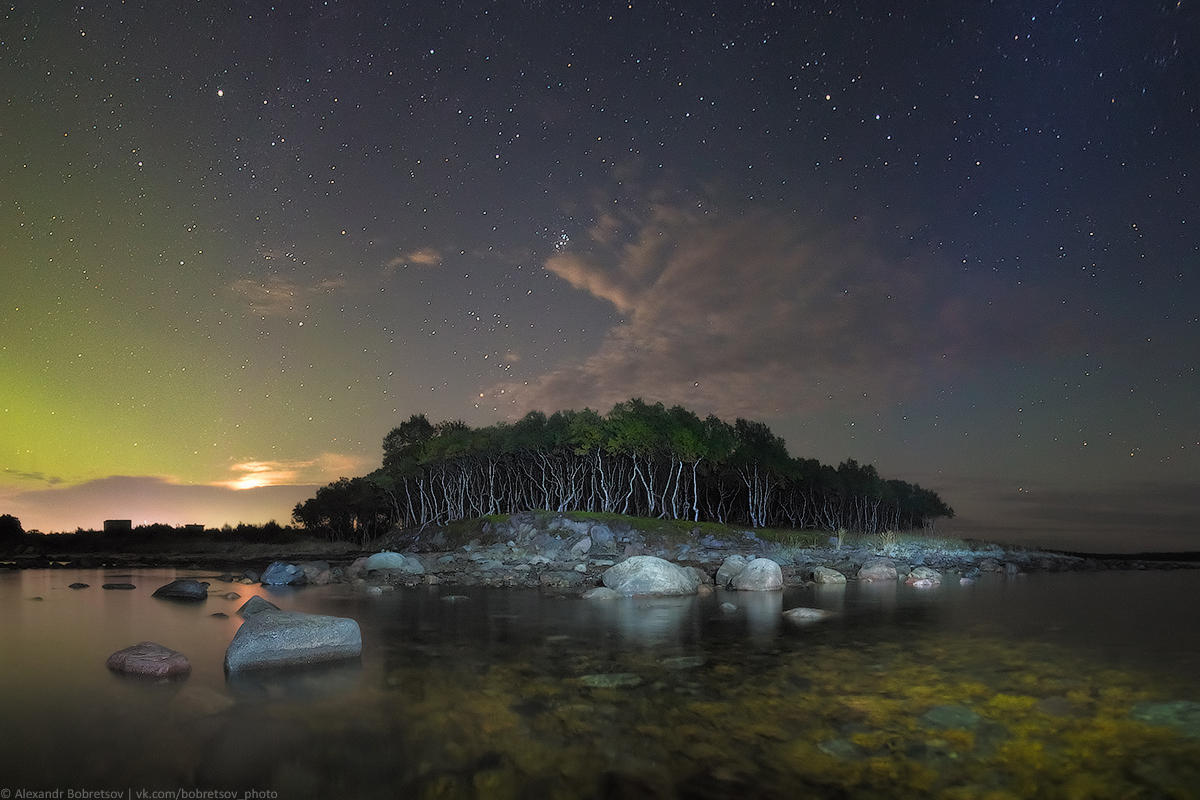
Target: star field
240,242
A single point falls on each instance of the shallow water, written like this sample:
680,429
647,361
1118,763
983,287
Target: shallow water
1005,689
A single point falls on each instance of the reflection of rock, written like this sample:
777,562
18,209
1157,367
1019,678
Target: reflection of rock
254,605
281,574
289,638
760,575
762,610
297,683
649,575
827,575
150,659
878,570
185,589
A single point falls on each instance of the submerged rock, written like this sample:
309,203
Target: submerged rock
611,680
649,575
78,586
184,589
806,616
271,639
150,659
120,586
600,593
951,717
281,574
760,575
1183,715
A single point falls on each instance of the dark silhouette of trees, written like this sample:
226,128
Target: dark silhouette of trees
639,459
10,529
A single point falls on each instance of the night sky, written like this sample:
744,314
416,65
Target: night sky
960,241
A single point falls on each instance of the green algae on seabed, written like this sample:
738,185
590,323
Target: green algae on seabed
911,719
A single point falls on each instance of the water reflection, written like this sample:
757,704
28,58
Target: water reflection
509,693
300,683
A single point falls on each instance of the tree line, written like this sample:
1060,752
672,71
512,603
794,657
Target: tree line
639,459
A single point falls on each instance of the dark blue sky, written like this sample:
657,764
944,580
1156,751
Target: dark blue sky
958,241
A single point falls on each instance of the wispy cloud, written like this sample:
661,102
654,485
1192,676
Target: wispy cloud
253,474
421,257
740,314
36,477
276,296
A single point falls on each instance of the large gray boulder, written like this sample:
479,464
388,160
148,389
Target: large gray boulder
760,575
649,575
827,575
729,568
272,639
281,574
878,570
185,589
150,659
396,561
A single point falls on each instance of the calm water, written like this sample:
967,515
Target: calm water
1004,689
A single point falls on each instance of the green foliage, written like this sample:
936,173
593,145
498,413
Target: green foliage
639,459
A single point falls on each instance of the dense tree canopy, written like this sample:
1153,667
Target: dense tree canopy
10,528
640,459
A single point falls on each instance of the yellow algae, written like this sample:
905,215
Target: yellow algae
1003,703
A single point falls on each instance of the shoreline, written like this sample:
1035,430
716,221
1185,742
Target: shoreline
561,553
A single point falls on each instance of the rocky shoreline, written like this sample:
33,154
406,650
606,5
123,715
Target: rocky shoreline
563,555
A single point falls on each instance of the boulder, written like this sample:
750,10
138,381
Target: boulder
923,577
150,659
760,575
649,575
396,561
878,570
827,575
730,567
272,639
184,589
256,605
281,574
806,616
602,537
358,567
316,573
